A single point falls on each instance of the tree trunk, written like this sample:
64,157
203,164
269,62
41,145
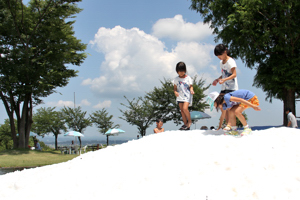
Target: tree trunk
288,102
22,123
56,136
29,121
79,138
107,140
10,112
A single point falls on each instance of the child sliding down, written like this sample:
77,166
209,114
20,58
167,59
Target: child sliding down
246,99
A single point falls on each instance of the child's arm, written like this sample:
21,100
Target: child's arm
192,89
236,99
175,91
222,118
216,81
232,76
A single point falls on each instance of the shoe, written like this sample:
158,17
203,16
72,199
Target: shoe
234,132
183,127
186,128
246,131
227,128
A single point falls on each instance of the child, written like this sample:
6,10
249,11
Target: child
292,122
159,128
183,90
246,99
228,79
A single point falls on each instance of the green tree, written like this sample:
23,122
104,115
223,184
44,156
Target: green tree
103,121
164,101
265,35
6,141
75,119
37,43
47,120
140,112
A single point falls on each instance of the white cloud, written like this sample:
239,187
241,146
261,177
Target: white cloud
61,103
178,29
85,102
104,104
135,62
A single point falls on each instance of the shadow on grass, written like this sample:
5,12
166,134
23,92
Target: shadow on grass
26,151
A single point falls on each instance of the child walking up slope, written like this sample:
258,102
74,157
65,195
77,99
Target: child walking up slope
183,90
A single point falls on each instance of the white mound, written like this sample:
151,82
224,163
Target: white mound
177,165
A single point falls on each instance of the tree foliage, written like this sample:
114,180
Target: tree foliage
103,121
164,100
265,35
6,141
140,112
76,120
37,43
47,120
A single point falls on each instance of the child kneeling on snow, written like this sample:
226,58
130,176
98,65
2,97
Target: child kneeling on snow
246,99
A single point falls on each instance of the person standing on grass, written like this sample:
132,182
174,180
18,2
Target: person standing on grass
183,90
292,122
228,79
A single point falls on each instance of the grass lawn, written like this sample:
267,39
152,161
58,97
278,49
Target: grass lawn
31,158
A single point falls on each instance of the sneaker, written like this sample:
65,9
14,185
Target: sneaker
183,127
246,131
234,132
227,128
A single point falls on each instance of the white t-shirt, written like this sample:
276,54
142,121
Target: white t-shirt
292,119
183,88
226,72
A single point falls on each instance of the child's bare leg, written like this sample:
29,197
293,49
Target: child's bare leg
187,113
239,114
232,113
184,119
226,116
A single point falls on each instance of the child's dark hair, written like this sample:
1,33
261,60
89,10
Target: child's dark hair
180,67
220,49
219,100
288,109
159,120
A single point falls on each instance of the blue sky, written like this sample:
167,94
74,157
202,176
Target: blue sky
132,45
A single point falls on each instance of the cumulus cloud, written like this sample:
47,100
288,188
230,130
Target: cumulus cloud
85,102
62,103
135,61
104,104
178,29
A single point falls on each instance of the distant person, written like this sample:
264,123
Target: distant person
292,122
246,99
183,90
138,136
37,145
203,128
212,128
159,128
228,79
72,145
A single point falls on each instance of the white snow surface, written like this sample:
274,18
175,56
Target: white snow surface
177,165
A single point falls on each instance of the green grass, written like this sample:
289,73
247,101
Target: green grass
31,158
